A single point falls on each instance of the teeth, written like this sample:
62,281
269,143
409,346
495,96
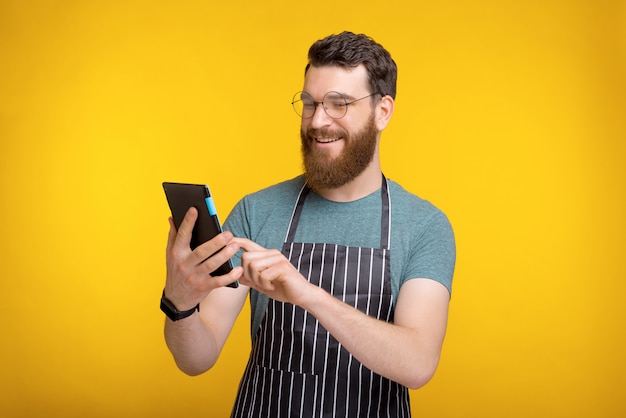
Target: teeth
326,140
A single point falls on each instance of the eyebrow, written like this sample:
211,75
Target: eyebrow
340,94
348,96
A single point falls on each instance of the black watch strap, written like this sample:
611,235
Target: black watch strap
172,312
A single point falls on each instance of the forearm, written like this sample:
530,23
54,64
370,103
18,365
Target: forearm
393,351
193,346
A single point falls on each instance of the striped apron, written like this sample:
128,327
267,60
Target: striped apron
296,368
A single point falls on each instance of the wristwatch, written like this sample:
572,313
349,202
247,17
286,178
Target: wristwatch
174,314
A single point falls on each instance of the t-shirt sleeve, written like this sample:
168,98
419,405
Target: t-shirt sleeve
433,255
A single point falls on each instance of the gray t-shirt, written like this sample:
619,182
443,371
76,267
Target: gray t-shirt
422,241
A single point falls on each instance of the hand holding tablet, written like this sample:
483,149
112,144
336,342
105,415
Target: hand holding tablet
181,197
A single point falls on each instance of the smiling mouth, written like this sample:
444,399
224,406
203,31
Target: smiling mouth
326,140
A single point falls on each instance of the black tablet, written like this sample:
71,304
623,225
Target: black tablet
181,197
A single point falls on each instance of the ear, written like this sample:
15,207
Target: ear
384,111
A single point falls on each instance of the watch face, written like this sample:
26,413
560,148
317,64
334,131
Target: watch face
172,312
169,305
169,309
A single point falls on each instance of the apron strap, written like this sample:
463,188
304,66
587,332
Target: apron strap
385,222
295,217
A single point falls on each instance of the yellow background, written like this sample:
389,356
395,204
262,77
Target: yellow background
510,117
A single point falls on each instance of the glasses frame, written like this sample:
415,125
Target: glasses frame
315,104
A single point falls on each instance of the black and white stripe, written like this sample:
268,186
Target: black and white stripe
296,368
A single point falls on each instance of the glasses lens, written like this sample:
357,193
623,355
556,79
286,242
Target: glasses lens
335,105
303,104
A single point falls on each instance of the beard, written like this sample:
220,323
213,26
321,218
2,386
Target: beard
325,172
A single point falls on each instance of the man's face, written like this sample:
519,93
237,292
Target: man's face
335,151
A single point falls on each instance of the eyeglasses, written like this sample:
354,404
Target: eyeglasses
334,104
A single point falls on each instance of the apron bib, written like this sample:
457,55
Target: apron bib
296,368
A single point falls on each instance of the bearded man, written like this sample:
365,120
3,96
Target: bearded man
349,275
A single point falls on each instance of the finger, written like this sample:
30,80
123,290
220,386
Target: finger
246,244
171,236
261,260
183,236
226,279
267,286
260,285
212,246
212,263
261,267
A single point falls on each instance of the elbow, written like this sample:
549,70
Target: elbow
419,380
421,375
191,370
194,366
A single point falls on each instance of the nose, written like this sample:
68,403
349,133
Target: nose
320,117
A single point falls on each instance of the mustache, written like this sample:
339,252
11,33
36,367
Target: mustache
325,133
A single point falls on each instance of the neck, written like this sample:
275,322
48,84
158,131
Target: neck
363,185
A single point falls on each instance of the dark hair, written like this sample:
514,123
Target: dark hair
349,50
